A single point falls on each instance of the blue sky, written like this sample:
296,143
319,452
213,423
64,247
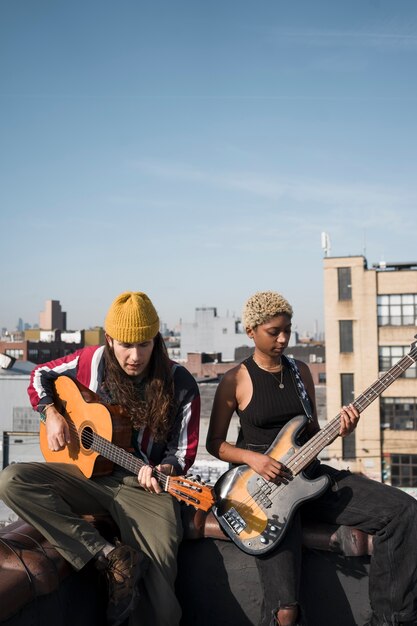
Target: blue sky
196,150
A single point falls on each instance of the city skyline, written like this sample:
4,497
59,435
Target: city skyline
197,152
23,325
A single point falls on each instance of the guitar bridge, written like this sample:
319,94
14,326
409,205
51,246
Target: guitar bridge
234,520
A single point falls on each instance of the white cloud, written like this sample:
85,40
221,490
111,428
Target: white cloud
355,197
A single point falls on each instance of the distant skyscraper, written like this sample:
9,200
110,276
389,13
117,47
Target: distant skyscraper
53,318
19,326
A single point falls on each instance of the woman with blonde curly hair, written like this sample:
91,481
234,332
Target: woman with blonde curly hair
267,390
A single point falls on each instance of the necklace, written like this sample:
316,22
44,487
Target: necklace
274,374
280,384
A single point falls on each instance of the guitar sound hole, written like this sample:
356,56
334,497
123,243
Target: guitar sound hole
87,437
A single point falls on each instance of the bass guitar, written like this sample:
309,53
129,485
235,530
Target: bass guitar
254,512
99,438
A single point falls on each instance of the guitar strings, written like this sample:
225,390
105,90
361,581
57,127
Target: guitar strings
303,456
308,452
89,436
196,493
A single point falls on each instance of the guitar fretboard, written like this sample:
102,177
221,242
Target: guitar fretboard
119,456
309,451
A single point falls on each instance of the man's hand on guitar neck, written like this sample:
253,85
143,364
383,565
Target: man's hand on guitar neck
57,430
148,481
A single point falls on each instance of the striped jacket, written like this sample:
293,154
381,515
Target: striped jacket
87,366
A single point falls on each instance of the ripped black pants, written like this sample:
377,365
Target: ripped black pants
387,513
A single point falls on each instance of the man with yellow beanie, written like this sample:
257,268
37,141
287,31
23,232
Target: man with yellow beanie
161,398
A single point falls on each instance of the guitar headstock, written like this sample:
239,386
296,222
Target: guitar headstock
191,492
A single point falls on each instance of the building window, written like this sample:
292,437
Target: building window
322,378
349,442
397,310
346,335
399,413
404,470
346,381
390,355
45,354
15,353
344,280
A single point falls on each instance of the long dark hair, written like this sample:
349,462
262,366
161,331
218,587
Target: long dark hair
149,402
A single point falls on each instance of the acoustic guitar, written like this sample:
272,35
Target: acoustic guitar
255,513
100,437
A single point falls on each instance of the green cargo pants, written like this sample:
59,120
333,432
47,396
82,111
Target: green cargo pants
53,496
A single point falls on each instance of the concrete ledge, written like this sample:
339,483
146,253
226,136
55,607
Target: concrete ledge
37,586
217,583
341,539
226,590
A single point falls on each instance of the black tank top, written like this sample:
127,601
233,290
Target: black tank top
270,407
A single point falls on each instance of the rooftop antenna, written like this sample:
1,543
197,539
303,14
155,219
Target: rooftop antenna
325,243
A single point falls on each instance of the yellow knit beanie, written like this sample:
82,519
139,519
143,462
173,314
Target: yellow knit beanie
132,318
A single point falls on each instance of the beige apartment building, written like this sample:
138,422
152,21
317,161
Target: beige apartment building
370,323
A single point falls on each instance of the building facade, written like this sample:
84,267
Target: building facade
48,346
212,333
51,340
16,412
53,317
370,322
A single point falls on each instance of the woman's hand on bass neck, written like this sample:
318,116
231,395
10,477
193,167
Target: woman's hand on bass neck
349,418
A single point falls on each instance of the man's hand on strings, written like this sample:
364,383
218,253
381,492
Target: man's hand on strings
57,430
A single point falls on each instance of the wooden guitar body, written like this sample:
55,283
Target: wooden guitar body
85,415
100,437
255,512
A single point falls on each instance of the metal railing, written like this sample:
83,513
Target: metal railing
7,436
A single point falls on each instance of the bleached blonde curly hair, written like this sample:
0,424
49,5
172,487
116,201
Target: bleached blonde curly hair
262,306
